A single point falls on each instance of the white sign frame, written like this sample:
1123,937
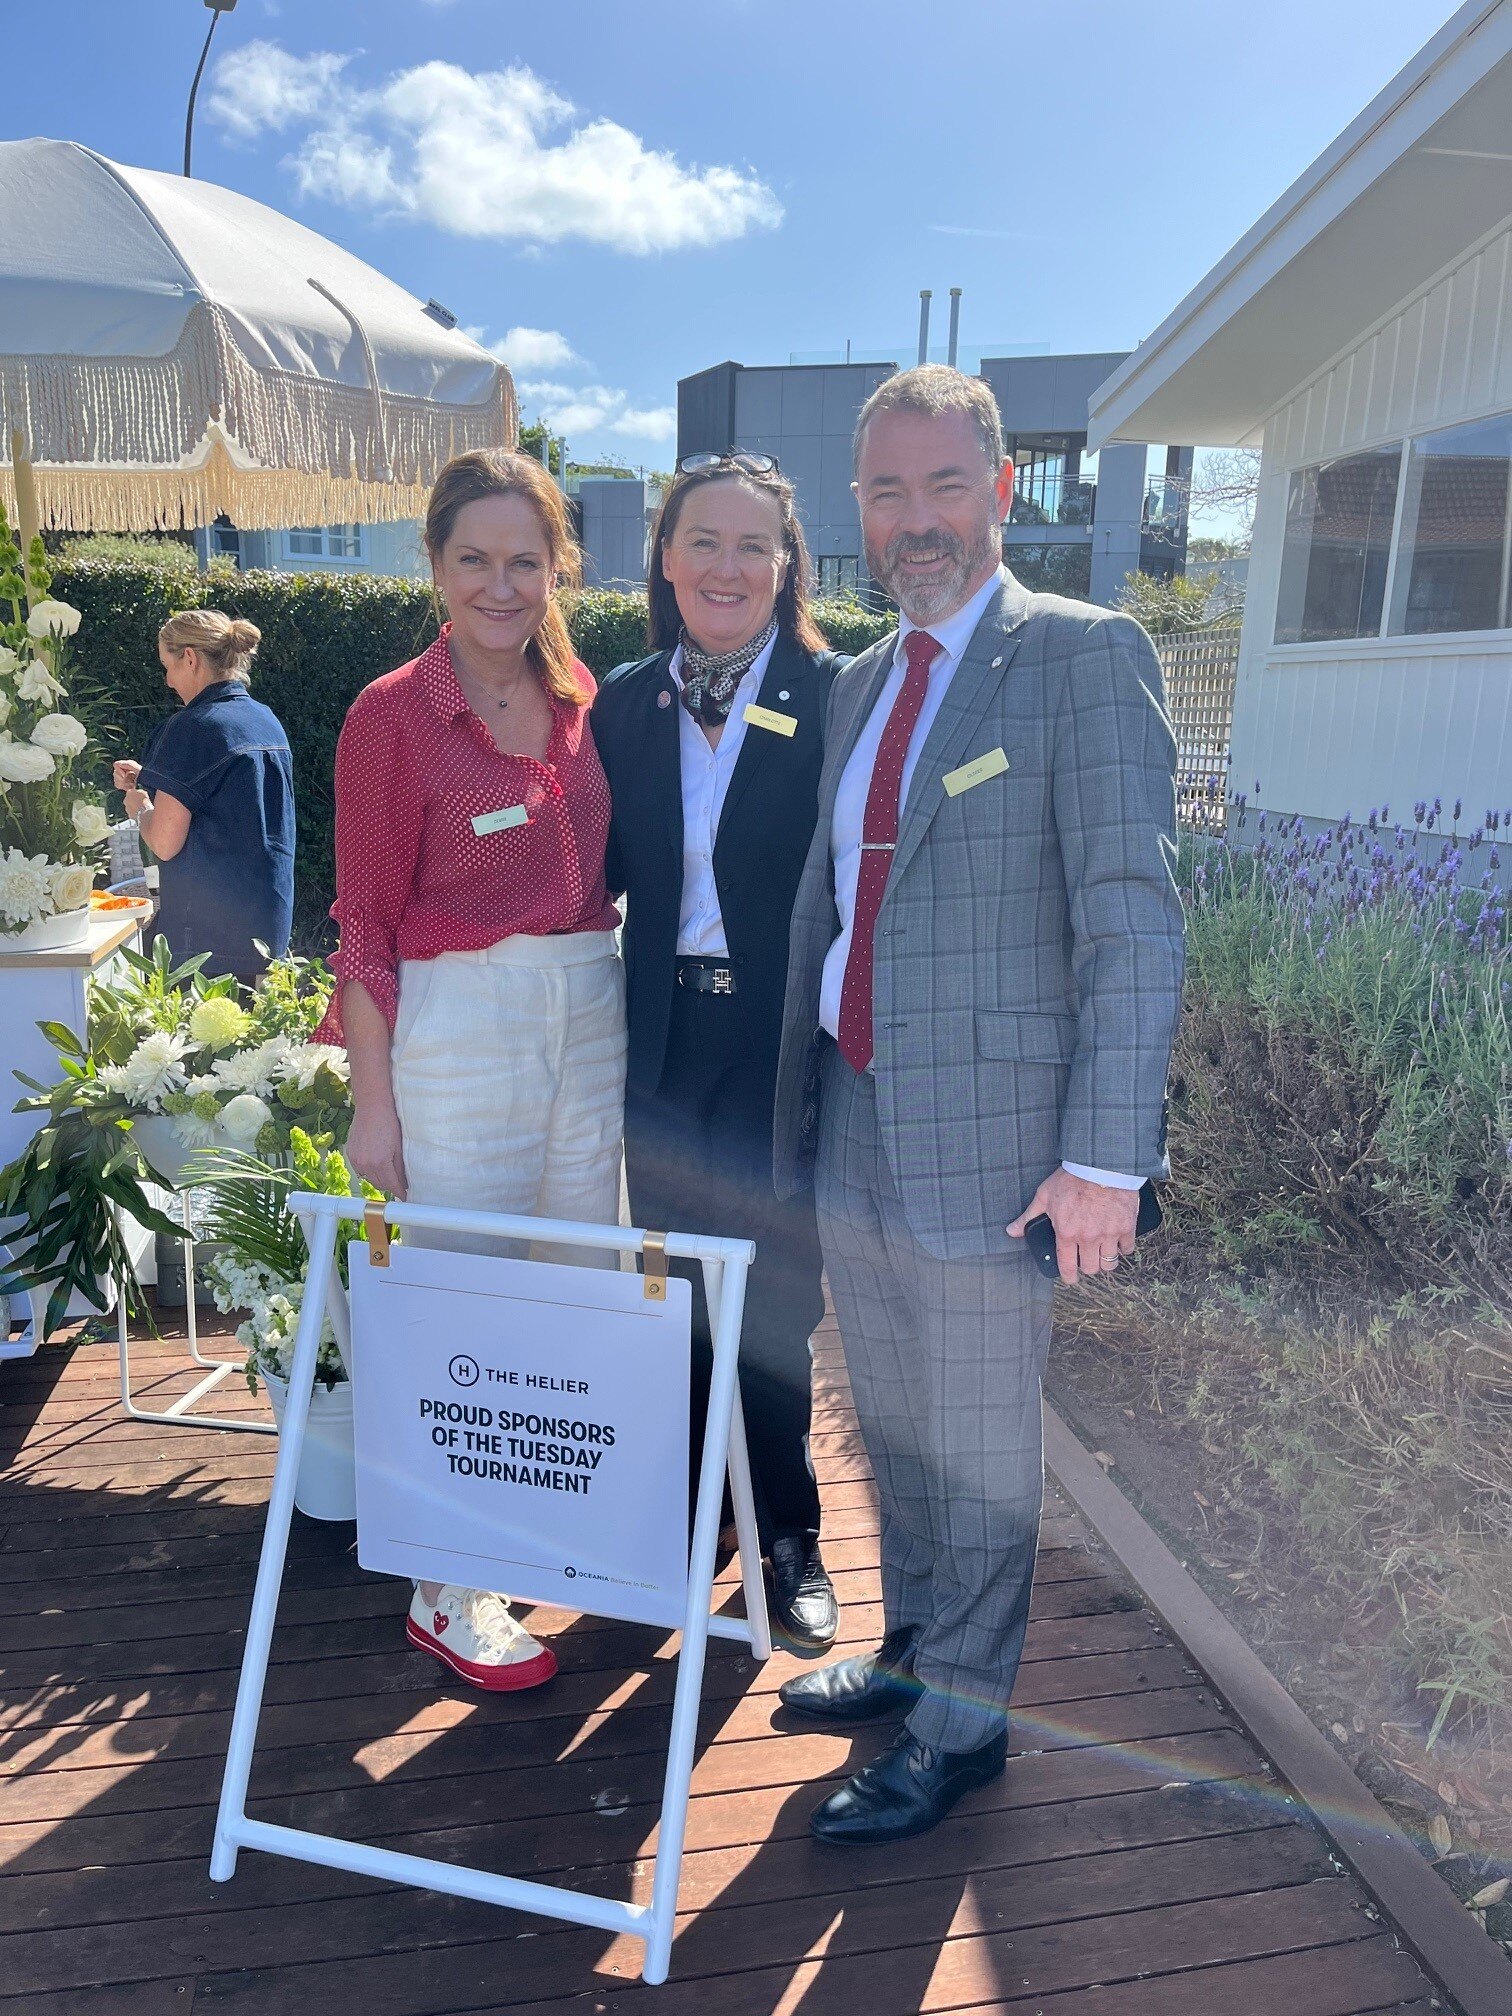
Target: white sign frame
725,1263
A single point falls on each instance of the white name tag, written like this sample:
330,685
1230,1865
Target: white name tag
500,821
977,771
768,717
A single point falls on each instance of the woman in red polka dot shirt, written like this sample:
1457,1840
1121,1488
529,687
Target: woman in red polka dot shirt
480,995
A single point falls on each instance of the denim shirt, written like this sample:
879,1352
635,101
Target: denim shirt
226,759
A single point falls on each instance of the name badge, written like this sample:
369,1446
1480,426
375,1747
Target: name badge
977,771
767,717
500,821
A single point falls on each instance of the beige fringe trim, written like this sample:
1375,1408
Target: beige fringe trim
147,444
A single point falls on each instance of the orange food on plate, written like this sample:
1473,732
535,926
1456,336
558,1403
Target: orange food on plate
100,899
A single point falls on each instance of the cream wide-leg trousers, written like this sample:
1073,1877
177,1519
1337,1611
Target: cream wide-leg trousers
509,1079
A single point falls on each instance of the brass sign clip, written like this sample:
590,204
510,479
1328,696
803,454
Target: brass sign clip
654,1266
377,1235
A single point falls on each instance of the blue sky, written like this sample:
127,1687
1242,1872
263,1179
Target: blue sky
641,190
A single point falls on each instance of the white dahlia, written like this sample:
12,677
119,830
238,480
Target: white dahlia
306,1059
151,1071
25,887
253,1070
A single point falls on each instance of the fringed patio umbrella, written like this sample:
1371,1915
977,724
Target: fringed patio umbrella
171,350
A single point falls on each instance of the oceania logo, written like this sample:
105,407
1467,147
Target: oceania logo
570,1573
464,1370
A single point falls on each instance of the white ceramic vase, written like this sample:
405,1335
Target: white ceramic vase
326,1487
57,933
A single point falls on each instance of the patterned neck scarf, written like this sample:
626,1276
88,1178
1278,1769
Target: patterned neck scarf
709,681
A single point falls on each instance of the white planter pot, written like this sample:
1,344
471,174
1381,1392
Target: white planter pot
49,934
326,1487
163,1148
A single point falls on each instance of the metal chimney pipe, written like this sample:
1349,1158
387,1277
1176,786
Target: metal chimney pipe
955,326
924,299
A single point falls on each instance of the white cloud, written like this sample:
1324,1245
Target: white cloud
525,349
483,154
575,410
261,88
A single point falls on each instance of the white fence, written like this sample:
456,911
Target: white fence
1199,667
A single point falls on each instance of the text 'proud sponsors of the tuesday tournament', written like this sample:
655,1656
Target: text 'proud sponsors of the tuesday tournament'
512,1443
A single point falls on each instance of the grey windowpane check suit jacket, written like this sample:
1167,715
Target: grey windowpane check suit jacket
1029,947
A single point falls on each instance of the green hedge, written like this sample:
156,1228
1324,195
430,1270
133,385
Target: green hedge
325,637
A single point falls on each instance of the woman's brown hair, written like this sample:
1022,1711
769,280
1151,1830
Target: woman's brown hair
226,643
499,472
664,624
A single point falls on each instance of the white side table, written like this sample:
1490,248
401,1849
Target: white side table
37,986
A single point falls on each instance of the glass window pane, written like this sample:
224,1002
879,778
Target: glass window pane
1338,536
1452,564
344,542
306,539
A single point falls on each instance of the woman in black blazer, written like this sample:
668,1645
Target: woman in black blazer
712,747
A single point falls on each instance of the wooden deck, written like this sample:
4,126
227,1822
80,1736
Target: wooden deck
1137,1859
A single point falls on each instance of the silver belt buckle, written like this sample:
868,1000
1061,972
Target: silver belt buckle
724,980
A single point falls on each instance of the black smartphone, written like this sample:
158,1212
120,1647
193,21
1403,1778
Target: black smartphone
1039,1233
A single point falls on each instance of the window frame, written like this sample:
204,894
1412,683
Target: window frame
289,558
1396,643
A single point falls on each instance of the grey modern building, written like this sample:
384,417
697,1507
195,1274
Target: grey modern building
1078,525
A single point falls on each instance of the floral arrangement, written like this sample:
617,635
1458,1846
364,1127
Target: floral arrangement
218,1064
264,1262
222,1065
51,827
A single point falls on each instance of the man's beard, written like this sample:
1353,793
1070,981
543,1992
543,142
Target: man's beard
940,595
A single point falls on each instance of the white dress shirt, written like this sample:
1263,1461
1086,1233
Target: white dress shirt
706,775
952,634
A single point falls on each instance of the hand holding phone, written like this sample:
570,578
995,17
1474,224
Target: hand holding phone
1039,1233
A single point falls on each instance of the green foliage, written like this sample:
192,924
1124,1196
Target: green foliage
1166,608
325,637
145,549
1060,568
850,627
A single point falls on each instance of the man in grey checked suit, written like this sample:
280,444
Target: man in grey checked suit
983,988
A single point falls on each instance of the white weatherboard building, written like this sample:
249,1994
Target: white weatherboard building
1362,333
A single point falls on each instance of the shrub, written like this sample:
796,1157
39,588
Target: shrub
324,637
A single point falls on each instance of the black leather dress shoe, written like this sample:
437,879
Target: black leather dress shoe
804,1613
861,1688
907,1790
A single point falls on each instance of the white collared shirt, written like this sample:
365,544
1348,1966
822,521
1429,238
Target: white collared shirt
706,775
952,634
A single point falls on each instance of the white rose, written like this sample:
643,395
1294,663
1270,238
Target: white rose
244,1117
53,619
24,763
36,683
91,824
71,885
60,735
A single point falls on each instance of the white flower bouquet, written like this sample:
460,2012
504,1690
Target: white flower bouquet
52,825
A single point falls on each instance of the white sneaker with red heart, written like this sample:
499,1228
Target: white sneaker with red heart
478,1636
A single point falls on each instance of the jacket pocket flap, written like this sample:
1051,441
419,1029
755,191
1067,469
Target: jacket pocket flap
1025,1034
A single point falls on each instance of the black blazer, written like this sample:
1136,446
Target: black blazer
764,833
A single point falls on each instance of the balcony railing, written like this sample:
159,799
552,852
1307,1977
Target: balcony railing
1050,497
1165,505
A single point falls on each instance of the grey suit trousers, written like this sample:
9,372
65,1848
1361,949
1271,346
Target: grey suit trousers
945,1360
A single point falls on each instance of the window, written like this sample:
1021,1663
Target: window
838,573
1456,540
324,542
1338,540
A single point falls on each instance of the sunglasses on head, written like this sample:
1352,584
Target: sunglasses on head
734,458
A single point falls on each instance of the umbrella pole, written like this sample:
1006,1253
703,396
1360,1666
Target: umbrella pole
27,523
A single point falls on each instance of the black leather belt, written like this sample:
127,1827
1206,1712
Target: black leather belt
706,976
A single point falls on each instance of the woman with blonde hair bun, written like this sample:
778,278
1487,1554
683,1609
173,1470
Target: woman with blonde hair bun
213,798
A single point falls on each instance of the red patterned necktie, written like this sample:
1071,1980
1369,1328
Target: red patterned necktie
879,837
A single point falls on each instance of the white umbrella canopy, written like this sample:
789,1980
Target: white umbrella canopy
171,350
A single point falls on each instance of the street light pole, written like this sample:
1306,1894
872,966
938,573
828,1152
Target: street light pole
217,8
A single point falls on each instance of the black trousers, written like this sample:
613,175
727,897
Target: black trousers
698,1158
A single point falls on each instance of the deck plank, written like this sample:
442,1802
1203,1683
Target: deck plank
1137,1856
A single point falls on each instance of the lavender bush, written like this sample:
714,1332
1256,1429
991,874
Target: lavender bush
1342,1087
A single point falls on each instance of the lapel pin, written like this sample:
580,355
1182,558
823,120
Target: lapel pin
664,698
997,661
783,695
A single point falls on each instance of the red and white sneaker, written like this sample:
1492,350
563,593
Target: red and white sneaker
478,1636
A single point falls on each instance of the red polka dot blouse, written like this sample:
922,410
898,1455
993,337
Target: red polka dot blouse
445,845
